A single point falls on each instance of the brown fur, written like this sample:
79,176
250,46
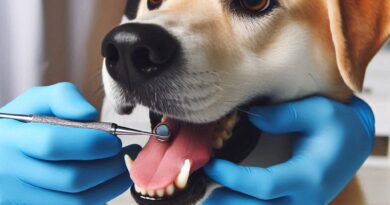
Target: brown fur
351,195
314,15
359,29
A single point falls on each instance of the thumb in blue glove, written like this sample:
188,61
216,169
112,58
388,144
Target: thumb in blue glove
45,164
334,140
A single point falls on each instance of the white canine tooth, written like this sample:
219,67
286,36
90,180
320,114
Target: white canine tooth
160,192
143,191
218,143
129,162
137,189
170,189
151,192
184,174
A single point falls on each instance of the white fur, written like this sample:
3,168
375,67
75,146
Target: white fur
114,94
288,69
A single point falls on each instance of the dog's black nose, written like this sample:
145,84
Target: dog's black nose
136,52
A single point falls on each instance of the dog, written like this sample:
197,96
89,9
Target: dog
196,64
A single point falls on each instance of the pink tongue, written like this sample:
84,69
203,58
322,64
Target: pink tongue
159,163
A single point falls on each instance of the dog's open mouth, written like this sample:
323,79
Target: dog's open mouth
163,169
170,172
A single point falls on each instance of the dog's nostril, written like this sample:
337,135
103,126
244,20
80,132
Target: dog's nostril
112,56
143,61
136,53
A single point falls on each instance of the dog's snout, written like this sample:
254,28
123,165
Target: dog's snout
136,52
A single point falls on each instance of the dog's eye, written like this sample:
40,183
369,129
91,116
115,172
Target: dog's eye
255,5
154,4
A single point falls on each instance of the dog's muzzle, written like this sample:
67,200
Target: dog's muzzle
136,52
152,68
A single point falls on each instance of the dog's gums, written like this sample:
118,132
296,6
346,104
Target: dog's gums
187,152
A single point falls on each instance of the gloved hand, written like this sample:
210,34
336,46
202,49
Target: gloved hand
45,164
333,141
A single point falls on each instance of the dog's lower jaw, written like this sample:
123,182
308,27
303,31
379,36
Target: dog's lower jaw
196,189
243,140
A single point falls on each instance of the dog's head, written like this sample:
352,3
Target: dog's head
197,61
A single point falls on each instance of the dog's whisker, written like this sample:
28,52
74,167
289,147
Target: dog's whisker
95,76
247,112
243,110
99,90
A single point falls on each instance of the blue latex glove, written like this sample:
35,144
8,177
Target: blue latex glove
45,164
333,141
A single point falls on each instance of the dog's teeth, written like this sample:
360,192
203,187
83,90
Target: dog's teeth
142,191
164,118
137,189
226,135
129,162
231,121
184,174
218,143
160,192
151,192
170,189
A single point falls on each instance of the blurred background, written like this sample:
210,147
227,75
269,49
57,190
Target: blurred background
48,41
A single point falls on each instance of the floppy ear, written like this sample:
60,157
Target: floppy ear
359,29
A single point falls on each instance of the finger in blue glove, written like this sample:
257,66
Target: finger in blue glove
334,141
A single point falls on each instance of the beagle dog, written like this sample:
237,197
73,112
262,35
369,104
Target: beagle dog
198,64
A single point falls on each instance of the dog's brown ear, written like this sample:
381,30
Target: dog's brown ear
359,29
